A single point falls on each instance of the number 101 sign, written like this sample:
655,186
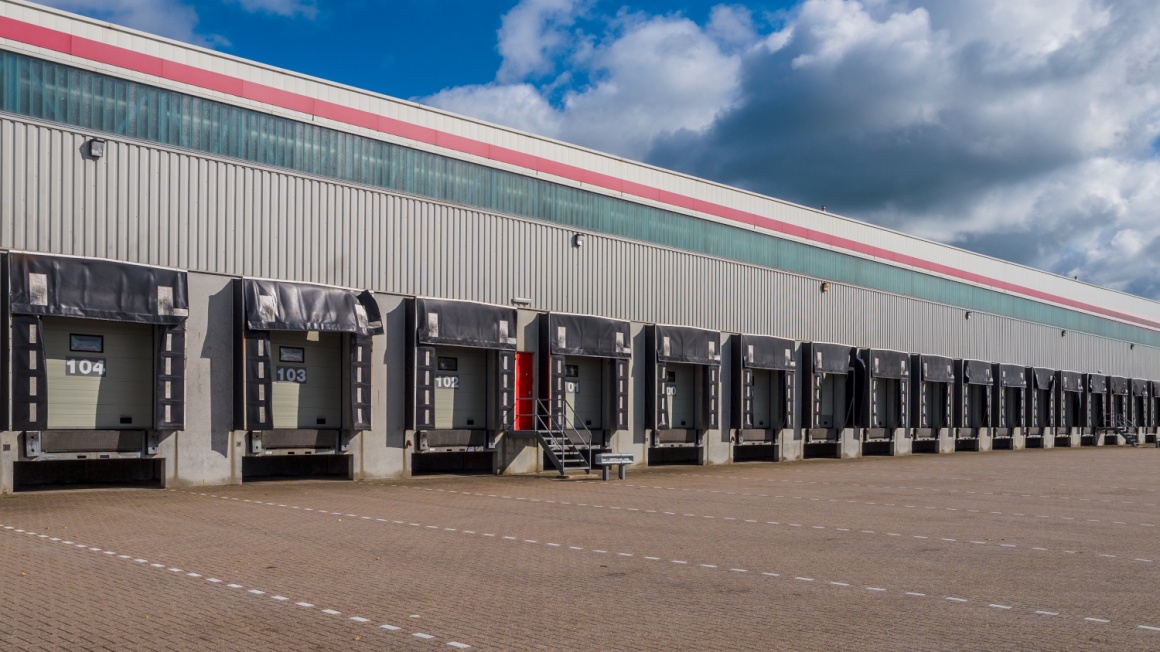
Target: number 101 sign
84,367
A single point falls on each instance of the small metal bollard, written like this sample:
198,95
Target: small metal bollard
620,460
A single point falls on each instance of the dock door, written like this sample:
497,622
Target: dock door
684,396
1010,406
1119,408
973,412
584,381
1071,408
882,410
1153,420
828,397
1140,402
302,376
1096,410
1040,420
764,381
98,368
461,382
933,404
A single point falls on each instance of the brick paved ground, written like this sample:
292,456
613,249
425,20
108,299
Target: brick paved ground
1049,550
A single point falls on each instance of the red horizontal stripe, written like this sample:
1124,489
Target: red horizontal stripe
104,53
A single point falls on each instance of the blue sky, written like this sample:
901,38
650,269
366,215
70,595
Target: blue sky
1025,130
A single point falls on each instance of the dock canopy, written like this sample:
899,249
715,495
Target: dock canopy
883,363
284,306
689,345
828,358
464,323
89,288
936,369
588,335
766,352
977,372
1011,375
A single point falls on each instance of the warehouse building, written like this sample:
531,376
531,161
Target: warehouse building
217,271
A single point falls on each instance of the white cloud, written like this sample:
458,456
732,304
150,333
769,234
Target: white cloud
287,8
532,35
170,18
642,76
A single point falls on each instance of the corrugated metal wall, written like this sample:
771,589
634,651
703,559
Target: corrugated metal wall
146,204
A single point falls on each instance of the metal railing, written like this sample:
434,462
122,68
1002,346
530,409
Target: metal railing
564,437
1120,424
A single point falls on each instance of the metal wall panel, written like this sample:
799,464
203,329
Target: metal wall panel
146,204
535,145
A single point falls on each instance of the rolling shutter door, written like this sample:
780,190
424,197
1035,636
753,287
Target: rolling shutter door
585,391
460,388
29,381
119,395
308,394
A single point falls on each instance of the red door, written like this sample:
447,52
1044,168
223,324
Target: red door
525,391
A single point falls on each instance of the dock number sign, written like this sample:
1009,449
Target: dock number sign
292,374
447,382
84,367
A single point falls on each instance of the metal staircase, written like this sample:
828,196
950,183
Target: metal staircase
1124,427
566,441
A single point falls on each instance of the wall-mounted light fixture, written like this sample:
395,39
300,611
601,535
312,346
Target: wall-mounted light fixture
521,301
967,315
1063,333
1131,346
825,287
578,240
96,148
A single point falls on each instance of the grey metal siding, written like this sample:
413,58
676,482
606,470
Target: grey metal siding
147,204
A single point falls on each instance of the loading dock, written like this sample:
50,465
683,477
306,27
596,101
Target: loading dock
1153,416
684,398
1071,408
1040,418
1119,407
973,405
302,374
461,382
762,415
882,412
584,378
828,401
1096,410
1140,400
1010,404
934,391
98,368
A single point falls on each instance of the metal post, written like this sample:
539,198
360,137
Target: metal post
604,472
621,471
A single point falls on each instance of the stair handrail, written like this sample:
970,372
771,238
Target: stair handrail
568,407
548,425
